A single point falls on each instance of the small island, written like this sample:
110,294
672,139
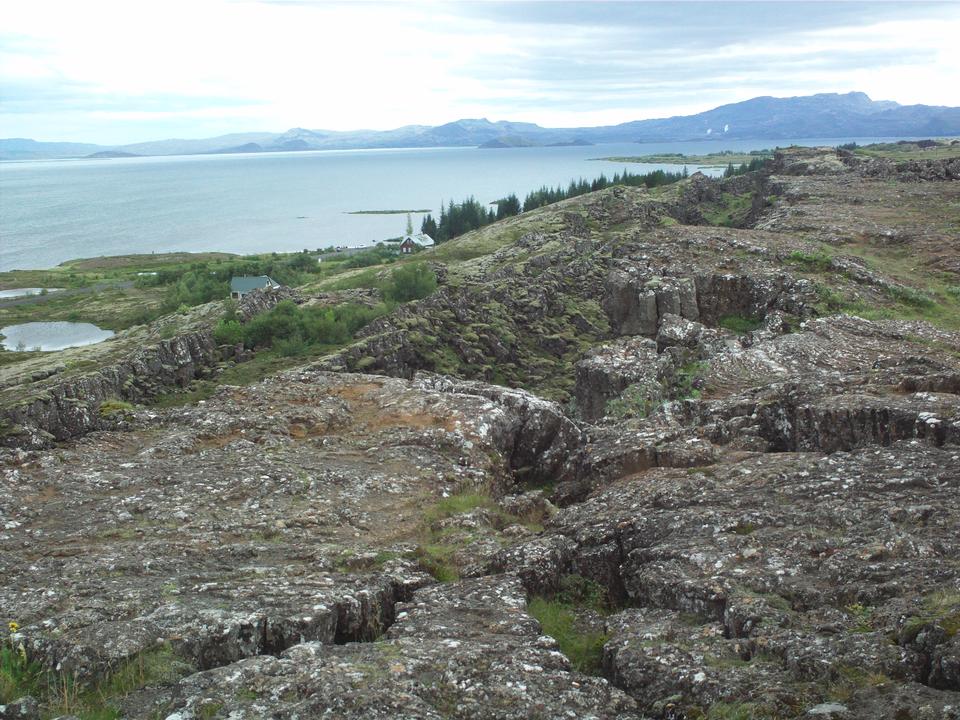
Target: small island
387,212
111,154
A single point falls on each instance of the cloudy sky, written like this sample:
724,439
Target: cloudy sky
117,71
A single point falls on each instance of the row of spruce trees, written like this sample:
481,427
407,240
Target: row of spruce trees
458,218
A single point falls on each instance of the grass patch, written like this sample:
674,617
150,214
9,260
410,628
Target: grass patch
636,401
457,505
739,711
940,608
818,261
59,693
557,616
438,545
861,615
730,211
717,159
850,679
910,296
740,324
688,382
112,406
437,559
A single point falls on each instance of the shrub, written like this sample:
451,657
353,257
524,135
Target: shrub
228,332
411,282
910,296
303,327
291,347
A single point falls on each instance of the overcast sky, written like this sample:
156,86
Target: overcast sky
118,71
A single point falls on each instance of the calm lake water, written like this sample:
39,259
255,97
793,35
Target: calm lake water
52,335
52,211
23,292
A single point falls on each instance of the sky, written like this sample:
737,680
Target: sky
123,71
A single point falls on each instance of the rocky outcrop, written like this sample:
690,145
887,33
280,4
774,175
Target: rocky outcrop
636,302
754,515
743,583
608,370
539,442
465,650
70,408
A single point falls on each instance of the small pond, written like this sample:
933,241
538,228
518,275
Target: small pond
20,292
52,335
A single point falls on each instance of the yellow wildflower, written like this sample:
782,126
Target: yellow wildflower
13,625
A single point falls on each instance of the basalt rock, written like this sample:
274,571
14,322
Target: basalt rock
60,410
763,501
466,650
608,370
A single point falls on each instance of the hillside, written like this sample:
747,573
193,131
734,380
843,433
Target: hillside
682,453
828,115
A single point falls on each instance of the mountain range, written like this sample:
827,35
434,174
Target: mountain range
823,115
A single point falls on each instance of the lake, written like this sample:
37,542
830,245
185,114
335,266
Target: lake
52,211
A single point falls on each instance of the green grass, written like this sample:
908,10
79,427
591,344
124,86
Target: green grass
209,710
739,711
636,401
457,505
437,559
817,261
438,545
740,324
940,608
730,211
18,676
112,406
687,377
850,679
909,151
584,648
557,616
861,615
60,694
919,294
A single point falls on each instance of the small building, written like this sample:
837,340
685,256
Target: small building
240,286
412,243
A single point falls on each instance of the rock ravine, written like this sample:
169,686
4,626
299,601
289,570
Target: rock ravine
691,454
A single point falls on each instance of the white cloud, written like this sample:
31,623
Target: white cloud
159,68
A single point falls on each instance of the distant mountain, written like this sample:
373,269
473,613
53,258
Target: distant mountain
25,149
812,116
192,147
825,115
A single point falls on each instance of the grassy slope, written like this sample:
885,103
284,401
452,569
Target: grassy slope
937,297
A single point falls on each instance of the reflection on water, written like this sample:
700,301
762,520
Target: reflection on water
51,335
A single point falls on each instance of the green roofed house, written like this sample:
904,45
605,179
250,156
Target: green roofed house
240,286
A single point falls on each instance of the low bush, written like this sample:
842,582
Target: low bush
302,327
410,282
